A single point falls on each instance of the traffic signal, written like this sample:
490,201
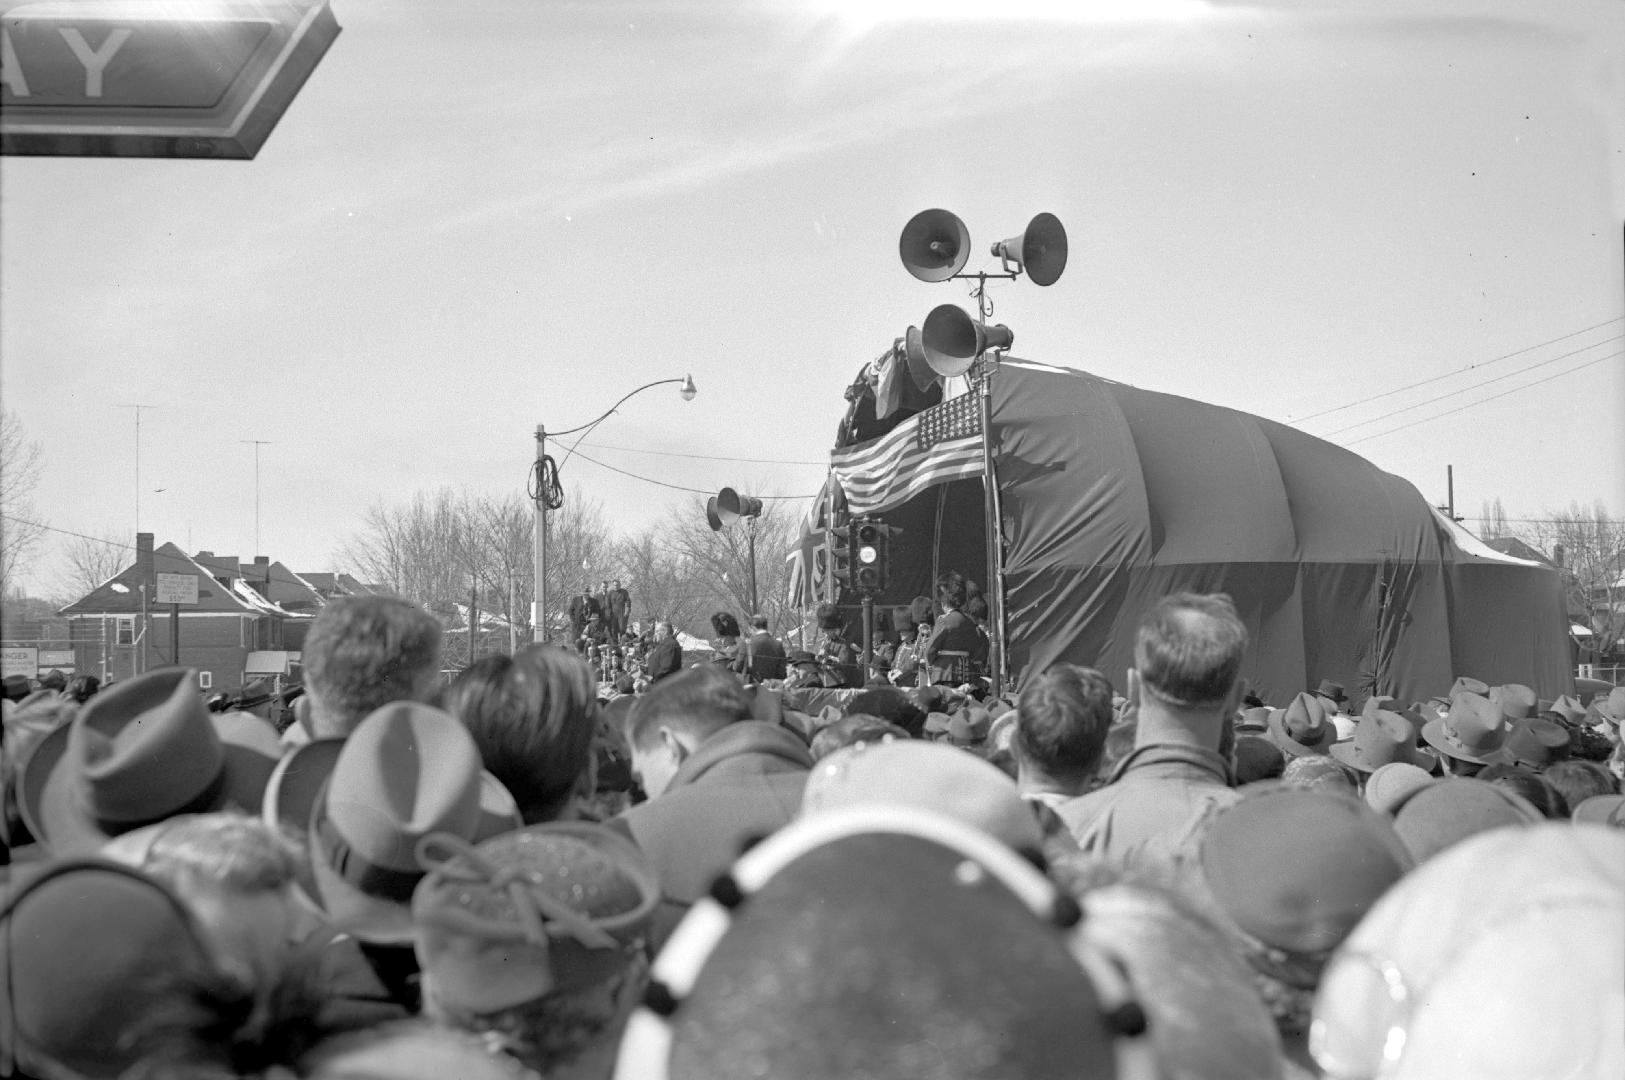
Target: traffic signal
870,560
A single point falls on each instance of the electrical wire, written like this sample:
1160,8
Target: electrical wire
679,487
1474,386
542,483
1452,374
707,457
1485,401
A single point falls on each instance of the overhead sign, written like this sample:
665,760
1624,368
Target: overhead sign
186,78
176,588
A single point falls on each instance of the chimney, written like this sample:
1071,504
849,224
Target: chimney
143,561
1557,556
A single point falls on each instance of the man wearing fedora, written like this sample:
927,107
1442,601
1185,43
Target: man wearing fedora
666,656
761,655
1184,686
362,653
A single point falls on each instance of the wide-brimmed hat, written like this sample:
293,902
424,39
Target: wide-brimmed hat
746,985
1568,707
1332,691
1382,738
1379,701
798,657
361,805
1302,727
1473,730
145,750
94,954
1516,700
1534,743
1467,685
1612,707
552,907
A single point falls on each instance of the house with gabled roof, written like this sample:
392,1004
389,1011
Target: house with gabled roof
121,628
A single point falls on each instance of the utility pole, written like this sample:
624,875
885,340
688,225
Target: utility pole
137,409
257,443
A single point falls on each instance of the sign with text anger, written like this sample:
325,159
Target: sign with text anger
185,78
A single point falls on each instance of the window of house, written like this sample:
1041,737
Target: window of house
126,630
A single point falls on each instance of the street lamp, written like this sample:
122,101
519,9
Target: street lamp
547,495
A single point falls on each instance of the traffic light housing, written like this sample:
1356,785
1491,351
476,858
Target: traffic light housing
839,561
869,555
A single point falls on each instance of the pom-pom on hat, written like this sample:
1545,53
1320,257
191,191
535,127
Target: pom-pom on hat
792,967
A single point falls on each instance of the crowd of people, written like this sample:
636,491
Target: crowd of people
599,860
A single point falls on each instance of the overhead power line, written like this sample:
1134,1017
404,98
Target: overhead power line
709,457
1485,401
1475,386
679,487
1459,371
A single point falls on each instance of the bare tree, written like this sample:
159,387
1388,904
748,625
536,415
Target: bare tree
1492,520
1589,544
89,560
19,475
718,564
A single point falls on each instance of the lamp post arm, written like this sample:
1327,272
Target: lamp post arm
586,429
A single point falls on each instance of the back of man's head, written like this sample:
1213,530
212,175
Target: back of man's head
758,622
697,702
1188,650
364,652
1062,720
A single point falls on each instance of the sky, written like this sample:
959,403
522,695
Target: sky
1397,226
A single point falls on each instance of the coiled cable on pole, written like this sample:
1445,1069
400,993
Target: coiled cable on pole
544,483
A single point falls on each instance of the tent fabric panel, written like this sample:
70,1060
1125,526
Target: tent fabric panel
1213,489
1508,626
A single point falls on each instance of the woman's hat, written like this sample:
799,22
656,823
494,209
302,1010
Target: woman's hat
142,751
1473,730
1382,738
362,804
1302,728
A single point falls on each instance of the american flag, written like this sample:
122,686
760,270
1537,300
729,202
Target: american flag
940,444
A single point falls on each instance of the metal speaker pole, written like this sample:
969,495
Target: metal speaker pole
935,245
1040,250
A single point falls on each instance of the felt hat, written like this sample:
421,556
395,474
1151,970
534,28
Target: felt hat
937,725
1568,707
558,906
1301,728
1612,707
16,687
928,776
1516,700
1379,701
1380,738
1391,784
799,657
749,985
1298,869
362,804
145,750
1498,960
1601,810
1320,772
1252,721
1256,758
1332,691
1447,812
87,946
1473,729
969,726
1534,743
1466,685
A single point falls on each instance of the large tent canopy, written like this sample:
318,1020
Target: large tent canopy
1114,497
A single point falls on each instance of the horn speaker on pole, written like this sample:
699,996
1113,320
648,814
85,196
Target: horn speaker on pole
950,340
934,245
1040,250
712,518
731,506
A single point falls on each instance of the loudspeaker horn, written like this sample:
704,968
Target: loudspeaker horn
935,245
712,518
950,340
1040,250
731,506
